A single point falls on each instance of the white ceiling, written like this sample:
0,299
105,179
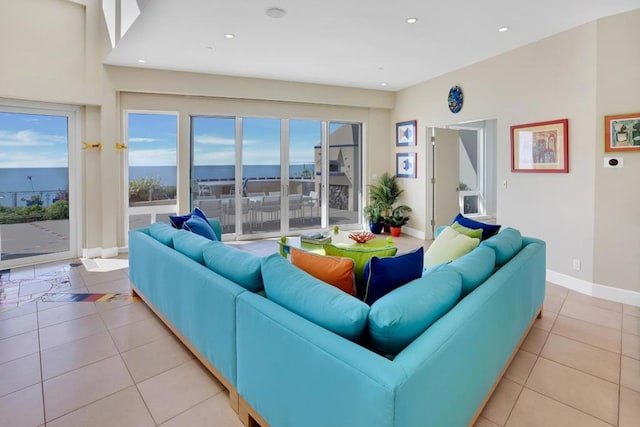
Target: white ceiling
355,43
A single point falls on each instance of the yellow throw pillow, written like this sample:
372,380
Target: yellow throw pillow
449,245
333,270
476,233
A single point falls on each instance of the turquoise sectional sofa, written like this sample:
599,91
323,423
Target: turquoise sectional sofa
291,357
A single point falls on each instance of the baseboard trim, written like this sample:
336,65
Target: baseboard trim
100,252
110,252
624,296
418,234
91,252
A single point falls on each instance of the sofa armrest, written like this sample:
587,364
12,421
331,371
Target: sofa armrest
293,372
464,353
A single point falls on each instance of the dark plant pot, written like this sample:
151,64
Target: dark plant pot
386,228
375,227
395,231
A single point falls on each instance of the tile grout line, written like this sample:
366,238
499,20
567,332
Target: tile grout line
44,407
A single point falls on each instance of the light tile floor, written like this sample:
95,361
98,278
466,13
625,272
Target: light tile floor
116,364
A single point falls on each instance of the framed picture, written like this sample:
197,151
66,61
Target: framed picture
406,165
622,132
406,133
540,147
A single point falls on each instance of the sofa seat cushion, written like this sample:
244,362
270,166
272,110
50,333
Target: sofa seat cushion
399,317
163,233
449,245
475,267
308,297
190,245
239,266
382,275
336,271
360,256
506,244
488,230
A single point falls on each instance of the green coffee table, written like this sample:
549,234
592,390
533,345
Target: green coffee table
339,239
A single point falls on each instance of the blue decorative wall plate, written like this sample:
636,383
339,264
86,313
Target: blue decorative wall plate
455,99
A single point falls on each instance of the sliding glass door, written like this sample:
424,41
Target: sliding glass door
269,176
37,202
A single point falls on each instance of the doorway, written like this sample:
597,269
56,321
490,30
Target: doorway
38,184
463,164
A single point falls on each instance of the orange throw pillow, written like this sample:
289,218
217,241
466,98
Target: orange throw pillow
336,271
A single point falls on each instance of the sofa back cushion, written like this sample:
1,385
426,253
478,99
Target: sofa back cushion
336,271
382,275
399,317
506,244
163,233
190,245
239,266
475,267
313,299
449,245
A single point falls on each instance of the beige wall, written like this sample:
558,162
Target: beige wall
617,205
565,76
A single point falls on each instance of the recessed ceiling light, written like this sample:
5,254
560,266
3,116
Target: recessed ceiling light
275,12
229,35
142,61
412,20
503,29
383,84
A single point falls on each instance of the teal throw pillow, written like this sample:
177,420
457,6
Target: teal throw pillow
239,266
312,299
382,275
190,244
403,314
163,233
200,226
475,267
488,230
506,244
360,256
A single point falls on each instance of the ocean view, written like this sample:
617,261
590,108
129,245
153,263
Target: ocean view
26,181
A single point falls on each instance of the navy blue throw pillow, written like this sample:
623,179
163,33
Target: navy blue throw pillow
383,275
178,220
488,230
200,226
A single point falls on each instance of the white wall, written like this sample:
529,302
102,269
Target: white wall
583,214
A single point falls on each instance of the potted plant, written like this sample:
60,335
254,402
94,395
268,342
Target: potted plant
373,214
397,219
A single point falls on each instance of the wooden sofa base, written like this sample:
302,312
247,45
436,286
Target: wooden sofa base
506,366
233,393
249,416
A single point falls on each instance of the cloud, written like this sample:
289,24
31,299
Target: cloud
213,139
29,138
31,159
158,157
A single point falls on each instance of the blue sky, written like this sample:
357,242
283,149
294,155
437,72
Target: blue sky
152,140
31,141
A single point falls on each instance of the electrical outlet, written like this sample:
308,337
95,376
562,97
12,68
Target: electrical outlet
576,264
